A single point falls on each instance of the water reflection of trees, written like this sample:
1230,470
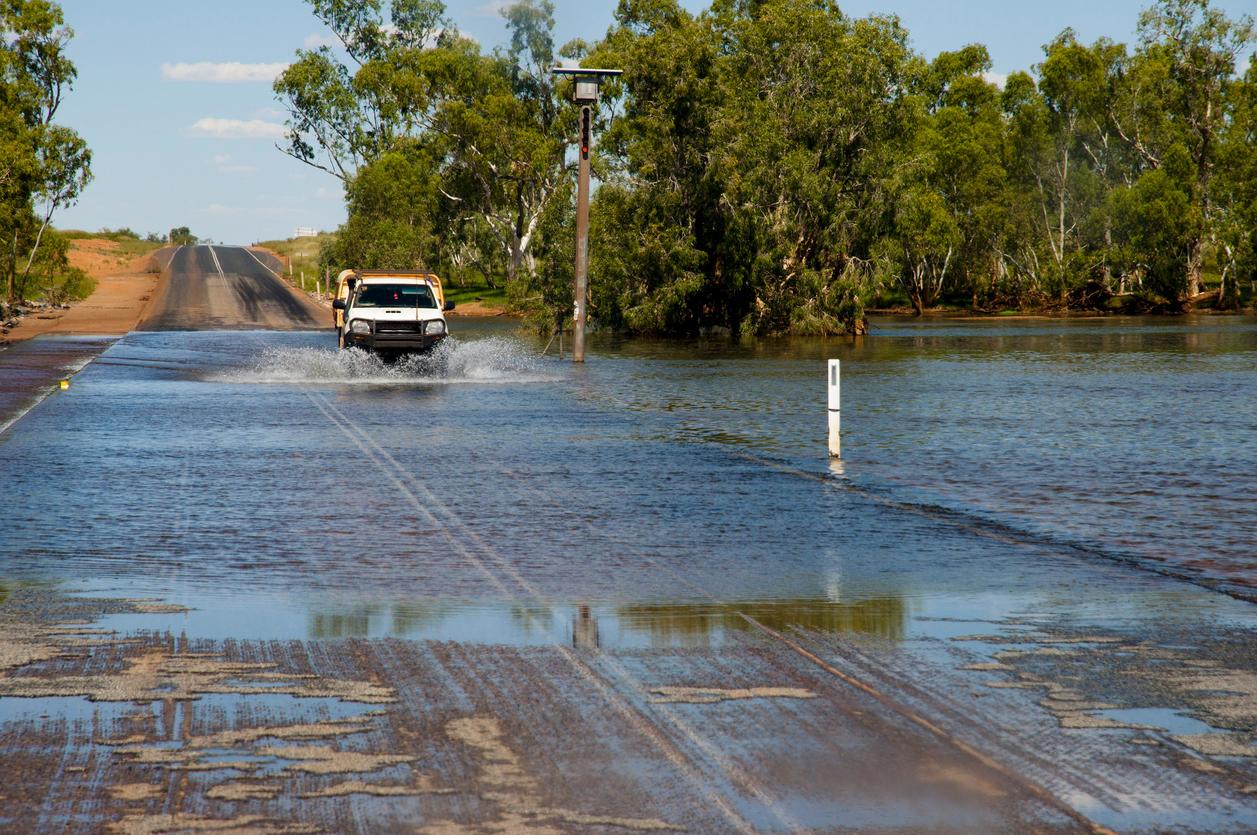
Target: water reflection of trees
696,623
416,618
355,621
665,624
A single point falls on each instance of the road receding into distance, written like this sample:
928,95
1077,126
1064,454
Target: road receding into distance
219,287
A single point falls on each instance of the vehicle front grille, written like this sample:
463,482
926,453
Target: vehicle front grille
397,327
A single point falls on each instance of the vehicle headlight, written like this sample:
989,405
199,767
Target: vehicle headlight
360,326
433,327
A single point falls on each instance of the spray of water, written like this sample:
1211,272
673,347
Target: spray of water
494,360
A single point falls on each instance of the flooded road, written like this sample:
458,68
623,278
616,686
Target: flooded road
252,580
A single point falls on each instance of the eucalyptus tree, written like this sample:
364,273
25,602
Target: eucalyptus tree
1073,82
656,224
481,132
1235,195
347,106
44,166
814,104
509,131
943,191
745,165
1171,109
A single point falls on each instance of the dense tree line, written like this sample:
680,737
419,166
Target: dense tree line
44,166
777,166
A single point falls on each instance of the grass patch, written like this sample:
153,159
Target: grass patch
304,252
129,243
301,256
479,292
305,256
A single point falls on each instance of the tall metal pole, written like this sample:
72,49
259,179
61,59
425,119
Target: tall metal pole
582,237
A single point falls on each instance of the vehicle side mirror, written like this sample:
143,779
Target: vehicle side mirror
448,306
339,304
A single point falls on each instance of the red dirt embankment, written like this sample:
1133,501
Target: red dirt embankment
124,286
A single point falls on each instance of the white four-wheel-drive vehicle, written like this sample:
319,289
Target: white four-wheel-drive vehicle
390,312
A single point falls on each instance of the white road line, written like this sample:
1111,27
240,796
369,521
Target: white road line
259,260
70,371
428,507
218,266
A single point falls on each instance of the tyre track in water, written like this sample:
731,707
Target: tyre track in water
398,477
983,760
443,518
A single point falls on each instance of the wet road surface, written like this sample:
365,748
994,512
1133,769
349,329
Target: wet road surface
217,287
252,582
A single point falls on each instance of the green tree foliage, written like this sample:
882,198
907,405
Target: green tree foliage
478,140
778,164
182,236
44,166
771,166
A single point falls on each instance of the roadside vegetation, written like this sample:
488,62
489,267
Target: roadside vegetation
320,257
304,262
44,166
780,166
129,243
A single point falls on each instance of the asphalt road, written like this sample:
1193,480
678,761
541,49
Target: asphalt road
227,287
250,583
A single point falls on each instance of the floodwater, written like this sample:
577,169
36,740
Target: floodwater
1131,438
1034,499
664,484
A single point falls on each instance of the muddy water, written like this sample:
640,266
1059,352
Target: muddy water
1133,438
645,572
280,488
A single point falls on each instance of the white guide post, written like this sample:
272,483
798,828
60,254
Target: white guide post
835,410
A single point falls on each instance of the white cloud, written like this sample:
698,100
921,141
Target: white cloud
238,129
225,73
492,9
999,79
316,40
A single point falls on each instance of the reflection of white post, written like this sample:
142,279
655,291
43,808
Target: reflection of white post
835,410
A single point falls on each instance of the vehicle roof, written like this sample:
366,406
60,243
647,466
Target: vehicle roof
396,279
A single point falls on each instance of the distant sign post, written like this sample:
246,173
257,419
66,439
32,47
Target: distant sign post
586,95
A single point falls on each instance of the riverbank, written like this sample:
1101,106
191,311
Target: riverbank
969,313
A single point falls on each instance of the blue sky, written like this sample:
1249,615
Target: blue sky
171,150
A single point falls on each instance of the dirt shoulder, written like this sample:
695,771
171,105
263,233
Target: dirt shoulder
479,309
124,286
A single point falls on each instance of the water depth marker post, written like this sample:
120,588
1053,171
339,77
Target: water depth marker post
835,409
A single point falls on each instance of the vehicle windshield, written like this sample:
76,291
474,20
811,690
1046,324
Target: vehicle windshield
395,295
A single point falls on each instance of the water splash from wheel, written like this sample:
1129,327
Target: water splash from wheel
486,361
